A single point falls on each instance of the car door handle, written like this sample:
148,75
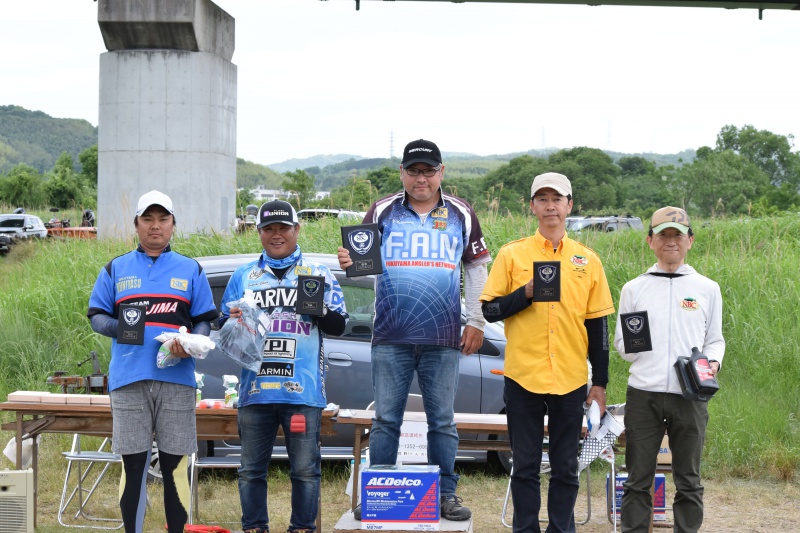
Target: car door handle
339,358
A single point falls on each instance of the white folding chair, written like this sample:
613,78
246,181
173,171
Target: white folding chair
197,464
81,493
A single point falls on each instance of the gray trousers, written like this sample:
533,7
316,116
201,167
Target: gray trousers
647,416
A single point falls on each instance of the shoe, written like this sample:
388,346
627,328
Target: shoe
357,512
451,509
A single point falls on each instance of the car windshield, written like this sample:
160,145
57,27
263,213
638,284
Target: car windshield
585,224
12,222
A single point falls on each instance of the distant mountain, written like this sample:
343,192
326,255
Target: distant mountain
37,139
321,161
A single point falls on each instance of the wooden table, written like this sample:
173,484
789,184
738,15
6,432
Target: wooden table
33,419
468,423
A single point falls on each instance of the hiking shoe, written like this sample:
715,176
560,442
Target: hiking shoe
357,512
451,509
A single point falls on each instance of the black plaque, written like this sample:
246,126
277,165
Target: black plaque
547,281
363,242
636,332
130,326
310,292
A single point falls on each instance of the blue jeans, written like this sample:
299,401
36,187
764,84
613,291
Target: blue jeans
525,411
393,367
258,427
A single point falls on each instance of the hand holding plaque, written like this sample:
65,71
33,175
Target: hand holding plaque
546,281
363,243
636,332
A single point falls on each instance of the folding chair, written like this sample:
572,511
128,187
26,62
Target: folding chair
80,493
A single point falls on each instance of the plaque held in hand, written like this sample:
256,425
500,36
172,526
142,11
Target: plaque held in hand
310,292
363,243
547,281
130,326
636,332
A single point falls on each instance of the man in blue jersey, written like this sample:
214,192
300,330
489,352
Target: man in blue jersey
167,290
289,389
426,235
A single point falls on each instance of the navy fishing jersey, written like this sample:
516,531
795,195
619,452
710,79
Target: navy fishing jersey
293,367
172,290
418,295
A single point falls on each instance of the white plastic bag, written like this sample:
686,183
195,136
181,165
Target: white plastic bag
242,339
195,345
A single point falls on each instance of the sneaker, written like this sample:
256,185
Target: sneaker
451,509
357,512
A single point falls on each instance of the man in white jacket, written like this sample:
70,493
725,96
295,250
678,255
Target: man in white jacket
684,310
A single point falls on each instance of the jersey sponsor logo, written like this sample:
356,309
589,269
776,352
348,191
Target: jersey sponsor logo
255,273
132,316
634,324
579,260
439,212
284,370
179,284
301,270
690,304
292,386
362,240
280,348
419,245
270,298
128,283
269,385
441,225
162,308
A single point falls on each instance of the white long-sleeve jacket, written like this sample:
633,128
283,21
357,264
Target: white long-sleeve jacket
684,311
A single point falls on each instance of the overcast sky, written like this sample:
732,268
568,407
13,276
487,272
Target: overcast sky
322,78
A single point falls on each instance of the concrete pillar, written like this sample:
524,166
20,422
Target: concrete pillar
167,116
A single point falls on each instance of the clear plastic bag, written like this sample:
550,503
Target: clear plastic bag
242,339
195,345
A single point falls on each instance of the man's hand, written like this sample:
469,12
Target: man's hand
714,368
529,289
176,349
344,258
236,313
597,394
471,340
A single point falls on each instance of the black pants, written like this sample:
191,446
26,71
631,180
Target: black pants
525,411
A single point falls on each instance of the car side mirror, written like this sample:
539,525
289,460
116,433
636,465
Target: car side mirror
28,226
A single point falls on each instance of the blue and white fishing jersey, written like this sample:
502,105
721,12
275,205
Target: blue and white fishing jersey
418,295
173,292
293,367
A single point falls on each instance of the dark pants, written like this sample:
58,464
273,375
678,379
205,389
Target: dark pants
647,416
525,411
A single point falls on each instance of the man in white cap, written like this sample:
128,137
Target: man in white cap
548,341
684,310
165,291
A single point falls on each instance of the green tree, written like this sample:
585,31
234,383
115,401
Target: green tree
386,180
357,194
64,188
244,198
301,184
594,178
88,160
22,187
643,184
772,153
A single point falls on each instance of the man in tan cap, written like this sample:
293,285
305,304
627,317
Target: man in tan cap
684,310
548,342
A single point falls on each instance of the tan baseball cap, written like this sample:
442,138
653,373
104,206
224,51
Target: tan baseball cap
552,180
670,217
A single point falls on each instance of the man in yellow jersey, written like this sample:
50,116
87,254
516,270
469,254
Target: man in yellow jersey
549,339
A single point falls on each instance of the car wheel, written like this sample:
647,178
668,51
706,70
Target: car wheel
154,470
503,458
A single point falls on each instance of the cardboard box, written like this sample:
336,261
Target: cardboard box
664,453
400,497
659,496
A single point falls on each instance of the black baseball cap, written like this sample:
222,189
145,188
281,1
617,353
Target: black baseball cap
421,151
277,212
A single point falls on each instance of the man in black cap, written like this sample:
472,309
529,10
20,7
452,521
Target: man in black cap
289,390
426,235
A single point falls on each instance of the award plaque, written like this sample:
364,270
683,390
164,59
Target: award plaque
546,281
636,332
130,325
363,242
310,290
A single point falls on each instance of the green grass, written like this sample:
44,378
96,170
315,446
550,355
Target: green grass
754,429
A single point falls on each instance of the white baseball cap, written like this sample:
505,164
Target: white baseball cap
552,180
153,198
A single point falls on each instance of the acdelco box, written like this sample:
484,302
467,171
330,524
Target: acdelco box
400,497
659,496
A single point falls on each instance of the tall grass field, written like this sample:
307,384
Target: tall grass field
754,430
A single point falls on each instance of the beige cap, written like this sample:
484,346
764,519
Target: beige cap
153,198
670,217
558,182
